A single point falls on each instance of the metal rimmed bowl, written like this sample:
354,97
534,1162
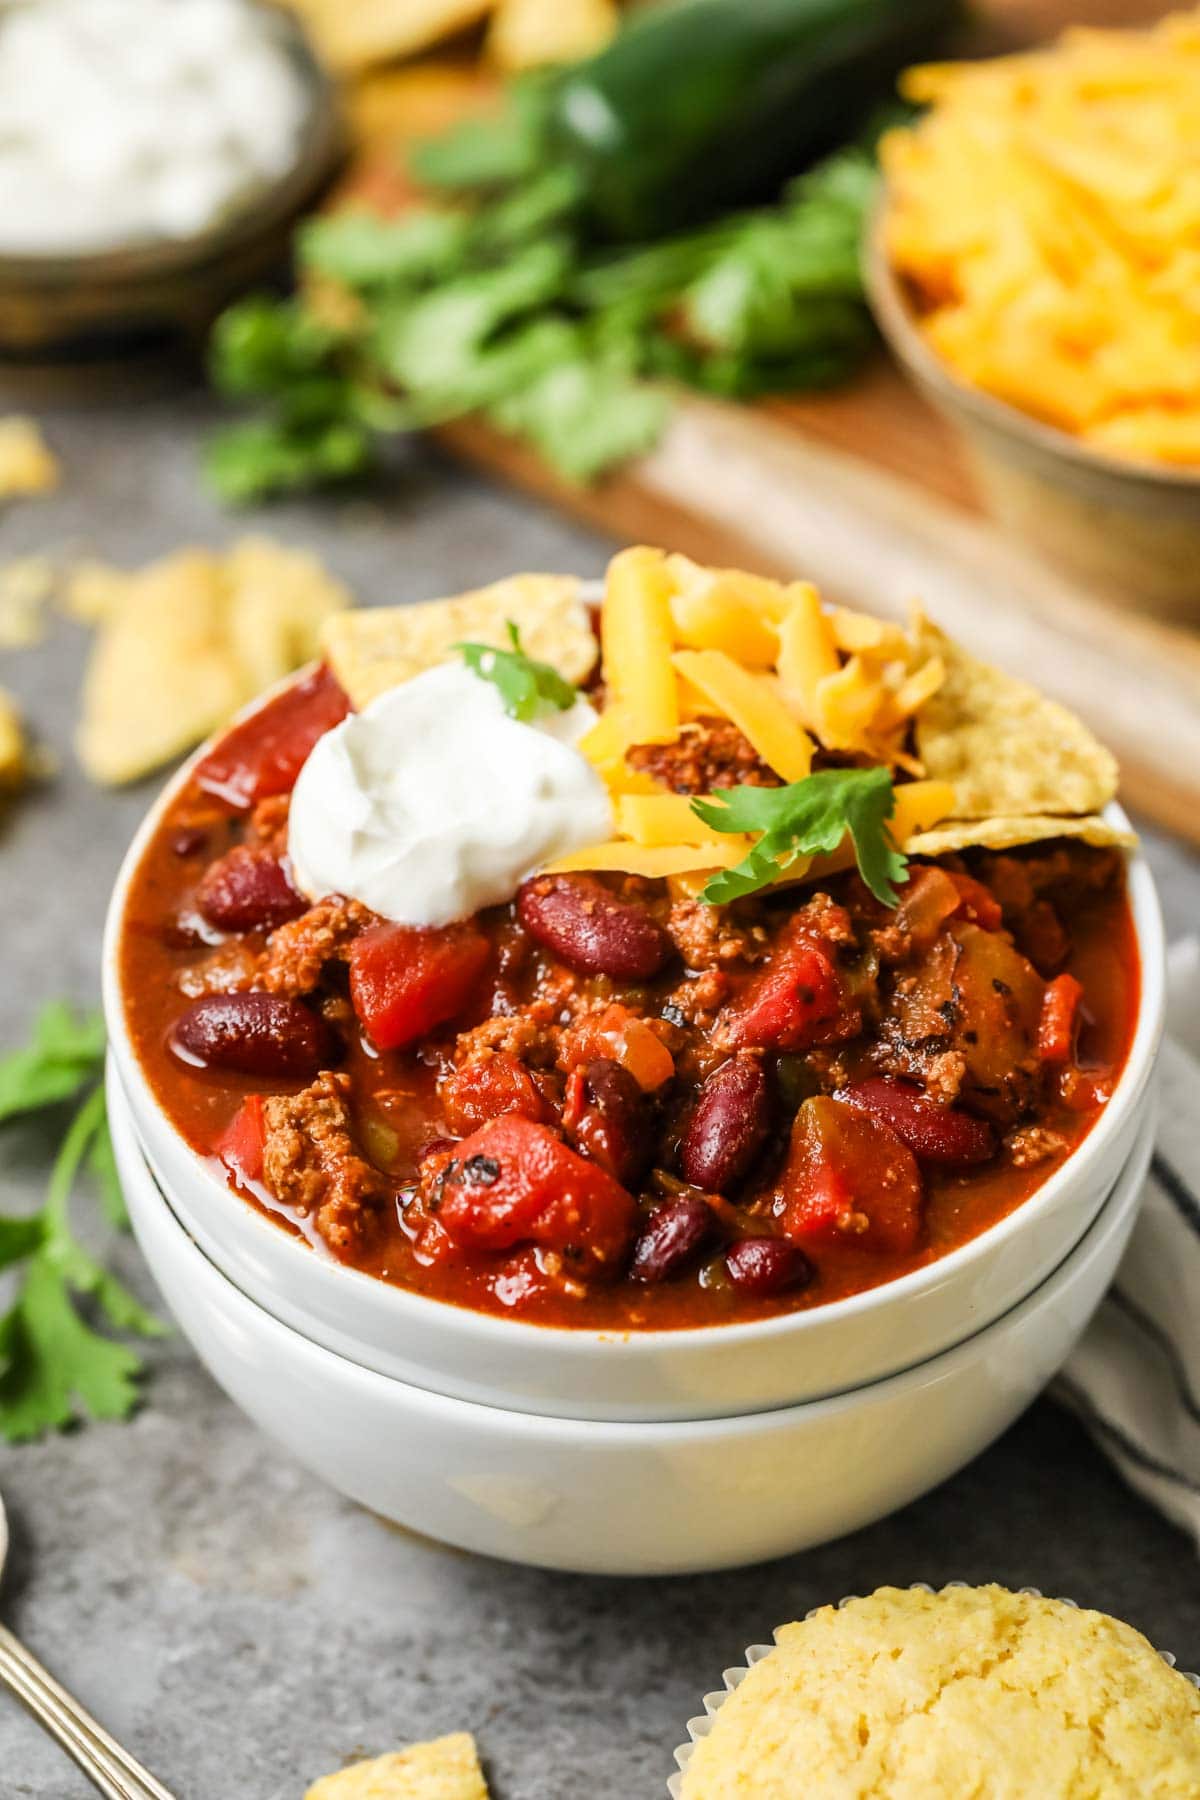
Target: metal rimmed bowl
75,312
1130,530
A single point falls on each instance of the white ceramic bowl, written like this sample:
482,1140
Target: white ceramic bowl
609,1498
643,1375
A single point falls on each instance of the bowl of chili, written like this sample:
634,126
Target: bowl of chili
629,1498
717,1310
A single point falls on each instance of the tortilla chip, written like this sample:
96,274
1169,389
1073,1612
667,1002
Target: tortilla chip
525,34
183,644
352,34
161,675
446,1769
280,600
14,765
1005,834
27,466
373,651
1009,751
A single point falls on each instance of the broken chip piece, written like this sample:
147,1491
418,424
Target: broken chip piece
13,760
27,465
184,643
445,1769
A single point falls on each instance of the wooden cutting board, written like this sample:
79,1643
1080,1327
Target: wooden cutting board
865,491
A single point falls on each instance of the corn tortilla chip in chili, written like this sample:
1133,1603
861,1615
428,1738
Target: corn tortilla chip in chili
378,649
1009,750
446,1769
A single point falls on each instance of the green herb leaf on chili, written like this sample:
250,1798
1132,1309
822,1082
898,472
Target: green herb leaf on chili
525,684
807,818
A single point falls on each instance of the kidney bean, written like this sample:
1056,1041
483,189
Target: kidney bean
248,890
673,1238
766,1265
257,1034
728,1125
613,1125
935,1133
592,929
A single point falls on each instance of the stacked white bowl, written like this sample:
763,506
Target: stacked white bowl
650,1452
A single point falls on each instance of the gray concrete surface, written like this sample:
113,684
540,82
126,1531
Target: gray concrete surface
243,1628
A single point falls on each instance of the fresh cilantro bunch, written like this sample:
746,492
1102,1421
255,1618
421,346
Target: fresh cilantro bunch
525,684
500,305
52,1362
807,818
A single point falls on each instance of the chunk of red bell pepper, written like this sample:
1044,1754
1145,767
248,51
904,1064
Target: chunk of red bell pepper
405,981
515,1182
1060,1019
794,1002
240,1146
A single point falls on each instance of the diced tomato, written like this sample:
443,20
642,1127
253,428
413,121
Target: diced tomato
240,1146
514,1182
935,1133
617,1035
404,981
486,1089
976,902
797,1000
848,1179
1060,1019
265,753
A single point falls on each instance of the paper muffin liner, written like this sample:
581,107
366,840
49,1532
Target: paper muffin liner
702,1724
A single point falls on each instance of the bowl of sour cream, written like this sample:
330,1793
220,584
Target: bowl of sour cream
154,156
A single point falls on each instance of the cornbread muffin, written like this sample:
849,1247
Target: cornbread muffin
967,1694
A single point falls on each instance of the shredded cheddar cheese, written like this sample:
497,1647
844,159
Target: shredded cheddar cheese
682,643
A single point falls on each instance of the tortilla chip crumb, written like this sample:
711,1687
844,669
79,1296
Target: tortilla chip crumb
445,1769
182,644
27,465
14,762
26,585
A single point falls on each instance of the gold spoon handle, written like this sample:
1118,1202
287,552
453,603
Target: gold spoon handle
112,1770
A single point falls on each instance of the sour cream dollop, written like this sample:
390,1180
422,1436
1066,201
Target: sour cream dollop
432,802
127,121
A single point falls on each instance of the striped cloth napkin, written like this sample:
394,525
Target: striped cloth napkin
1134,1379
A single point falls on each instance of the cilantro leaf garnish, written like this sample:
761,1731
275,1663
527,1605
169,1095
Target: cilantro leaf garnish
508,305
63,1054
525,684
52,1362
804,819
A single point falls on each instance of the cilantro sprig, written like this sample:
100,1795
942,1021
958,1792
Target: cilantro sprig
53,1363
525,684
807,818
505,306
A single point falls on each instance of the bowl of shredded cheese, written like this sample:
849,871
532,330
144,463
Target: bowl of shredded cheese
155,156
1035,266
